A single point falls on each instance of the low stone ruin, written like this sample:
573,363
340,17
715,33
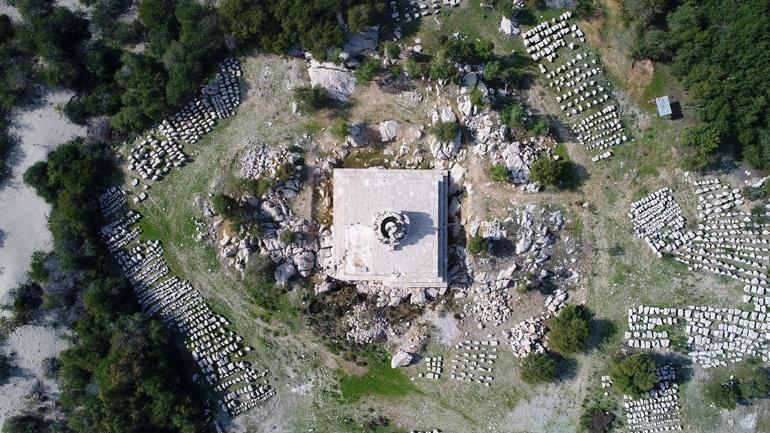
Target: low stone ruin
474,361
434,367
597,123
161,149
659,220
727,241
218,351
414,10
658,410
338,82
715,336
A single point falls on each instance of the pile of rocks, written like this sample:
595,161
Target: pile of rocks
153,158
263,161
434,366
365,326
659,220
658,410
474,361
217,350
575,81
715,336
530,336
491,301
445,150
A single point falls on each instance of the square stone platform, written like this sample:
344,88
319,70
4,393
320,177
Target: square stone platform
420,259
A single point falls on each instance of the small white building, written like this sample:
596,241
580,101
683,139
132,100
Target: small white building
664,106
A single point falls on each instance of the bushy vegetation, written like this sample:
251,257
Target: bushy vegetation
310,99
25,423
37,271
27,298
340,128
498,173
6,364
478,245
548,171
123,371
716,49
445,131
368,69
513,116
570,330
750,382
537,368
633,375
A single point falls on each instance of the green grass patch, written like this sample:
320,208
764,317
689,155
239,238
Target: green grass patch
364,159
656,87
380,380
312,128
562,152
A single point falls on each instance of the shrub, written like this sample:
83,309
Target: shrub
759,214
540,127
546,170
570,330
6,364
27,298
477,98
286,237
478,245
310,99
491,70
25,423
37,270
633,375
413,68
396,71
722,394
340,129
51,367
225,205
498,173
753,382
392,50
513,116
596,420
257,187
368,69
441,69
537,368
445,131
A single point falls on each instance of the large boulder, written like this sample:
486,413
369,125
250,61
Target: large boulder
508,27
338,82
284,272
355,136
388,130
402,359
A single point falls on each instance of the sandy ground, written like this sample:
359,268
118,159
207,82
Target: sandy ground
23,223
31,344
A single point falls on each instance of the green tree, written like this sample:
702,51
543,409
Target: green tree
25,423
723,394
634,374
27,298
537,368
491,70
569,330
546,171
513,116
6,28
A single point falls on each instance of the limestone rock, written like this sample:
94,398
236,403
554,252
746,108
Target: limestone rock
284,272
338,82
401,359
388,130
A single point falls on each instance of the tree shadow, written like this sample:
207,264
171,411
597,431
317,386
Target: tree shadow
676,111
566,368
683,366
602,332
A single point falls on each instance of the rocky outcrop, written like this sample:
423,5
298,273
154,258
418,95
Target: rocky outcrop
338,82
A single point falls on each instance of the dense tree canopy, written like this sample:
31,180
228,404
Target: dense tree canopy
633,375
721,53
122,372
570,330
